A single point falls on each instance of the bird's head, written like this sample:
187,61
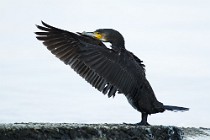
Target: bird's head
108,35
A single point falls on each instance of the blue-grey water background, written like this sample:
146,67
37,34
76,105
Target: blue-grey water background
171,37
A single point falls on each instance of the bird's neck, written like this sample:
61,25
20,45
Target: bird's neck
118,45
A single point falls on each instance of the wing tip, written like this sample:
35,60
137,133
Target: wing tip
44,27
45,24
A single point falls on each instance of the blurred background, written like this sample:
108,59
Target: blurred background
171,37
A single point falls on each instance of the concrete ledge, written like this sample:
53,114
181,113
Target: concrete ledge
64,131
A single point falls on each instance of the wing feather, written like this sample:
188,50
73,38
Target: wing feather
103,68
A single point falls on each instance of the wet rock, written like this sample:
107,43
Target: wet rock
191,133
64,131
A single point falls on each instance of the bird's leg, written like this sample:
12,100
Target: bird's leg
143,119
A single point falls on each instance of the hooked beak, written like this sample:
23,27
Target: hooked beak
94,35
91,34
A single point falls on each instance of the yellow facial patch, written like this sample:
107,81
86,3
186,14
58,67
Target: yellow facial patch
98,35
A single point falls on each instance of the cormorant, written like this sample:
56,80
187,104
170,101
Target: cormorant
111,71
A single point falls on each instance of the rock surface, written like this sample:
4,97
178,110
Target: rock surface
66,131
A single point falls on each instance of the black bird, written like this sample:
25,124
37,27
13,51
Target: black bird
111,71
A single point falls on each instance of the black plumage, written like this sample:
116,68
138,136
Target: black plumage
111,71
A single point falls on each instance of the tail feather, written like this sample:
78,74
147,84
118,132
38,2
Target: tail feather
175,108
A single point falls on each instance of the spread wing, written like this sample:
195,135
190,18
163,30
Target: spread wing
106,70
